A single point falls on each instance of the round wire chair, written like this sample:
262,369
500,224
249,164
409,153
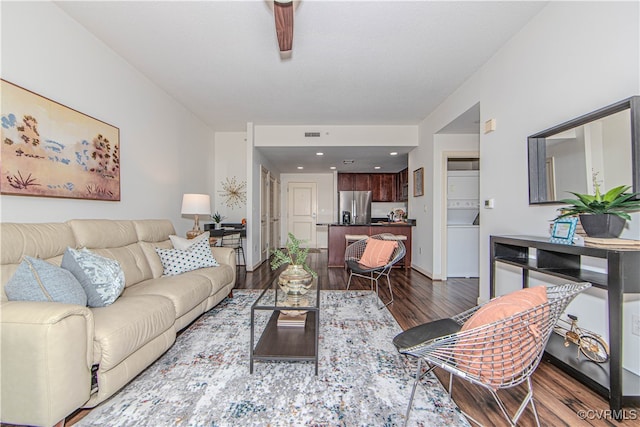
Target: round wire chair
353,254
499,355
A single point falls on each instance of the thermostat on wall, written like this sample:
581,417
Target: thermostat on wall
489,203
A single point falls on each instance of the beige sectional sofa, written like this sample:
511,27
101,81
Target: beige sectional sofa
50,352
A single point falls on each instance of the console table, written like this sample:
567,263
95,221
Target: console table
610,379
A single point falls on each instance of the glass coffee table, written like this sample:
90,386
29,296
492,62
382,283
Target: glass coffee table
296,339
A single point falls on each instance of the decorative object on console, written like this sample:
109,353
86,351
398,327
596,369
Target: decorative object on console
602,215
563,230
234,193
298,276
51,150
418,182
196,204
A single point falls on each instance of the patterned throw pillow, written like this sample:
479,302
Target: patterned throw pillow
38,280
182,243
176,261
102,278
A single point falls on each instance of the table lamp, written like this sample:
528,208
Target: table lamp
196,204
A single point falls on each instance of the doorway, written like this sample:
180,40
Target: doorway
462,216
301,210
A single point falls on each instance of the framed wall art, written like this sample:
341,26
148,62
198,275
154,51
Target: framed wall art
51,150
418,182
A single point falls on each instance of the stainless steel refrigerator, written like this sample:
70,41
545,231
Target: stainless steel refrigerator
355,207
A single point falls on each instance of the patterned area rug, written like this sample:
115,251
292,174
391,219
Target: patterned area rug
204,380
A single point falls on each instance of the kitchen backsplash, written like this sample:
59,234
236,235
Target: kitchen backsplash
382,209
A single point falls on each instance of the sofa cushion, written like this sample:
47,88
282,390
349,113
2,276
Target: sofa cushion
177,261
185,291
38,280
149,250
128,324
101,277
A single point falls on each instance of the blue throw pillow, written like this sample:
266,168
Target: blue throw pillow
38,280
101,277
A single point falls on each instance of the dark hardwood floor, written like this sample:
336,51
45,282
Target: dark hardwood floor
558,397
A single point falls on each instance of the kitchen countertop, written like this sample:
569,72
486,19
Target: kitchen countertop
371,224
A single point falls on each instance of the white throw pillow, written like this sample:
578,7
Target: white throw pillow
182,243
176,261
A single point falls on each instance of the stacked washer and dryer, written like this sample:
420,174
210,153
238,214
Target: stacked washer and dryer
463,208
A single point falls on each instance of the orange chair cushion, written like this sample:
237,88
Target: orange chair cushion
377,252
500,353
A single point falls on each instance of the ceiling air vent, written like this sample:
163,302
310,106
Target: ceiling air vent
312,134
348,162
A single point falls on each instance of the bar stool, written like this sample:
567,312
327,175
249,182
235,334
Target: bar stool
397,237
350,238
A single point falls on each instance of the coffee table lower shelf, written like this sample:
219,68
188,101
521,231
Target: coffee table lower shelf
287,343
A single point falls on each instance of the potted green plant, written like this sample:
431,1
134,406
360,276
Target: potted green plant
297,278
217,219
602,215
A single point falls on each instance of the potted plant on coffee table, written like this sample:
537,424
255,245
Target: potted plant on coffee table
297,278
602,215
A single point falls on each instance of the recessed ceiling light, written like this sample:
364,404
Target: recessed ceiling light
332,167
300,167
376,167
393,153
319,154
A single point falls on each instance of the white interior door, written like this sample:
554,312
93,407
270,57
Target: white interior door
274,212
301,210
264,214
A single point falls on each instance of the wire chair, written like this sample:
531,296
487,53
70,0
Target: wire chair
234,241
354,252
499,355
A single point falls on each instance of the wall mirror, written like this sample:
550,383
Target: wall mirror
565,158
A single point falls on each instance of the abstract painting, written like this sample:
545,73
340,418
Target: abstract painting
50,150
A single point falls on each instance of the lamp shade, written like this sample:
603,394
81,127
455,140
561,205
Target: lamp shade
196,204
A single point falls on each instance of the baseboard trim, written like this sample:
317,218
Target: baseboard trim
429,274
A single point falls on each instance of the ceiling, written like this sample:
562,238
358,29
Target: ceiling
352,63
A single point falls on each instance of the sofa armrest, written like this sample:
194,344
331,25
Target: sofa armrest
45,361
224,255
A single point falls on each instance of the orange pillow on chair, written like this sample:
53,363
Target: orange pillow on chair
500,353
377,252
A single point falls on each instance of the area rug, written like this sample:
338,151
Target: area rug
204,380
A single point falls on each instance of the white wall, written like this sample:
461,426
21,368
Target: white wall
326,199
163,146
572,58
230,160
293,136
255,161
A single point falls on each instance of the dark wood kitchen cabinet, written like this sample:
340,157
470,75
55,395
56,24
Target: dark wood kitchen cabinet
346,181
362,182
402,186
383,186
354,181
